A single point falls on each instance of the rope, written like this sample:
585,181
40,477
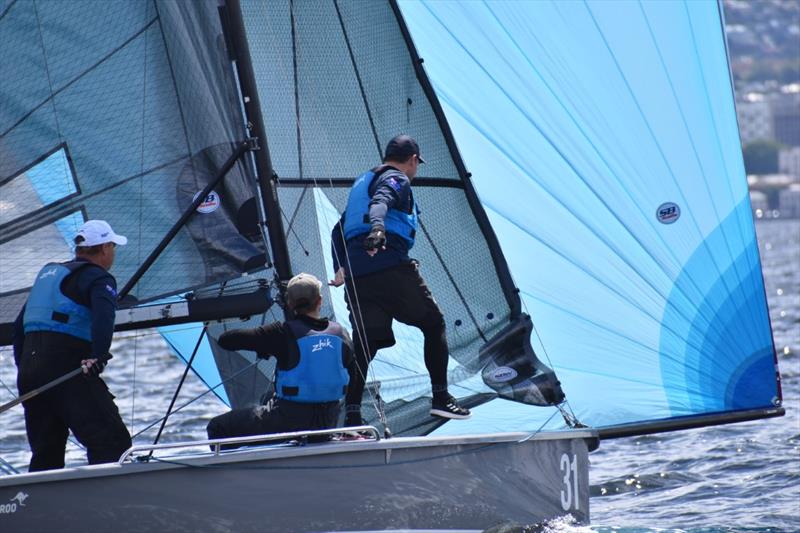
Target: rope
210,389
13,395
67,172
564,407
178,389
352,295
141,197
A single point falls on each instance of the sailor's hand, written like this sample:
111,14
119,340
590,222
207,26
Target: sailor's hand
93,367
376,240
338,280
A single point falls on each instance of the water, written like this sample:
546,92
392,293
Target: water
740,477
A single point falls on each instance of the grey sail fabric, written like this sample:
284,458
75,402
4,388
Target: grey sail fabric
132,106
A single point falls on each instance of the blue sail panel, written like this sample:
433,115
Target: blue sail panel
603,142
182,339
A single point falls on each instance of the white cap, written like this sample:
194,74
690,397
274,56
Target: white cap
95,232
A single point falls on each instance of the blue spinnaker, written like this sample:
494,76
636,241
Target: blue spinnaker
603,142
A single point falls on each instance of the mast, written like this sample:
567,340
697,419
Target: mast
266,175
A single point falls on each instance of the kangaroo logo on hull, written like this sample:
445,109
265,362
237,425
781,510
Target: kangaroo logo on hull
14,503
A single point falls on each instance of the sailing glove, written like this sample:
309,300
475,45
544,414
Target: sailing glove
376,238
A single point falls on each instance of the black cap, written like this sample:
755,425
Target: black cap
401,147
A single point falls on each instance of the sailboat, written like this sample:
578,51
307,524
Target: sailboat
223,137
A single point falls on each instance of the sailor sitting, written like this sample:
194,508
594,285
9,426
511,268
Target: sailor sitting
311,375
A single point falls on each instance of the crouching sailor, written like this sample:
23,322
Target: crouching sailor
311,375
67,322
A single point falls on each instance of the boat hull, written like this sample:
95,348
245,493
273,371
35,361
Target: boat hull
402,483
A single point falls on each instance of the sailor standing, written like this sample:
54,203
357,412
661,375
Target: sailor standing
371,243
67,322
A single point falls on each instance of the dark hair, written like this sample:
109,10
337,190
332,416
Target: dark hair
86,250
401,148
397,159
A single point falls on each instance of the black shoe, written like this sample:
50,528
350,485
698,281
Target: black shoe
353,420
448,407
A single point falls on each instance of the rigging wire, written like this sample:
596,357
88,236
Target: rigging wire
180,385
210,389
565,408
350,292
67,175
141,207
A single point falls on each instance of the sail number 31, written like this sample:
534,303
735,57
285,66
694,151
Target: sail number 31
569,494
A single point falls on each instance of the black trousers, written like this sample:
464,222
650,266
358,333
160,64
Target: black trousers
375,300
82,404
276,416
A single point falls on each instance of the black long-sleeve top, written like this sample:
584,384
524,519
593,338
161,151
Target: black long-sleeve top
273,340
390,190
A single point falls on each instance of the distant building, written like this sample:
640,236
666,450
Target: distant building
755,119
789,162
789,201
770,115
786,117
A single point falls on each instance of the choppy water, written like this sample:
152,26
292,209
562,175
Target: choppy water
740,477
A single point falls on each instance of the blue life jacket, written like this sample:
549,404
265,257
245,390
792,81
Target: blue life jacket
319,375
48,309
356,214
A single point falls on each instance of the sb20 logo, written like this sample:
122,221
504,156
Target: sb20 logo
210,204
668,212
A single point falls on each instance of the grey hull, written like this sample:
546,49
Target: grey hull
471,483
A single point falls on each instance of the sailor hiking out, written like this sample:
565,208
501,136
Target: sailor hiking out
311,375
371,243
